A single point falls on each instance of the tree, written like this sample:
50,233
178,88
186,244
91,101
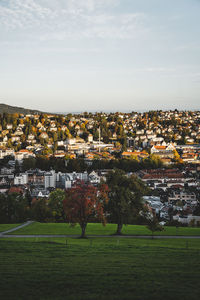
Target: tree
29,163
177,157
17,167
83,203
77,165
196,211
124,197
55,204
171,213
40,211
13,208
153,225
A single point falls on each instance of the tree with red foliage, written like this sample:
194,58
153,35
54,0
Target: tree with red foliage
84,202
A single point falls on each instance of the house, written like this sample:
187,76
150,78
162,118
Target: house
187,219
90,138
163,149
18,132
40,193
15,139
6,152
21,179
36,177
182,196
44,135
54,129
135,154
189,157
94,178
31,137
4,188
9,126
59,154
23,153
162,178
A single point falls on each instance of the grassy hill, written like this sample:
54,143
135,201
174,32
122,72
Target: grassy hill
4,108
99,229
100,269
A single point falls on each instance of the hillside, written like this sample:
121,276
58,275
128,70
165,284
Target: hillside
4,108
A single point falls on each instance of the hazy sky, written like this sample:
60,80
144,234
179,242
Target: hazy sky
108,55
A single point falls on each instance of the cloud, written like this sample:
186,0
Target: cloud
160,70
189,46
125,26
91,5
60,20
20,14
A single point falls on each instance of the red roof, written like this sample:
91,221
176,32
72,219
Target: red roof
15,189
24,151
160,147
159,176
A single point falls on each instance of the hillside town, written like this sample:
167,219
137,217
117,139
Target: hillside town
161,148
170,135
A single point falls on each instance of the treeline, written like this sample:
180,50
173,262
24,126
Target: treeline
15,208
18,208
119,200
80,165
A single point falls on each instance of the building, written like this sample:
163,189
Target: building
50,179
22,179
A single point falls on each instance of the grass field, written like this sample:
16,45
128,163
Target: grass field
99,229
99,268
4,227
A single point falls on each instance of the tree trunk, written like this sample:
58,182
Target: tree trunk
83,228
119,229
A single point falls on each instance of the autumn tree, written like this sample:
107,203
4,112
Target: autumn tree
83,203
177,157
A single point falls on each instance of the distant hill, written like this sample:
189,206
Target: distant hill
4,108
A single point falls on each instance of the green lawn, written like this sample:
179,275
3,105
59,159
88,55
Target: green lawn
99,229
99,268
4,227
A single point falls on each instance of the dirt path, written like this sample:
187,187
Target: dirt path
16,228
93,236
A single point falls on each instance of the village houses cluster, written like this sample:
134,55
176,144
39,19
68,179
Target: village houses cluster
173,137
170,135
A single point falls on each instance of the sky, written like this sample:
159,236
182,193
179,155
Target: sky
100,55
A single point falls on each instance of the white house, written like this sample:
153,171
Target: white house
21,179
50,179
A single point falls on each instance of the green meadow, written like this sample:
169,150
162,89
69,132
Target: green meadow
4,227
99,229
99,268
